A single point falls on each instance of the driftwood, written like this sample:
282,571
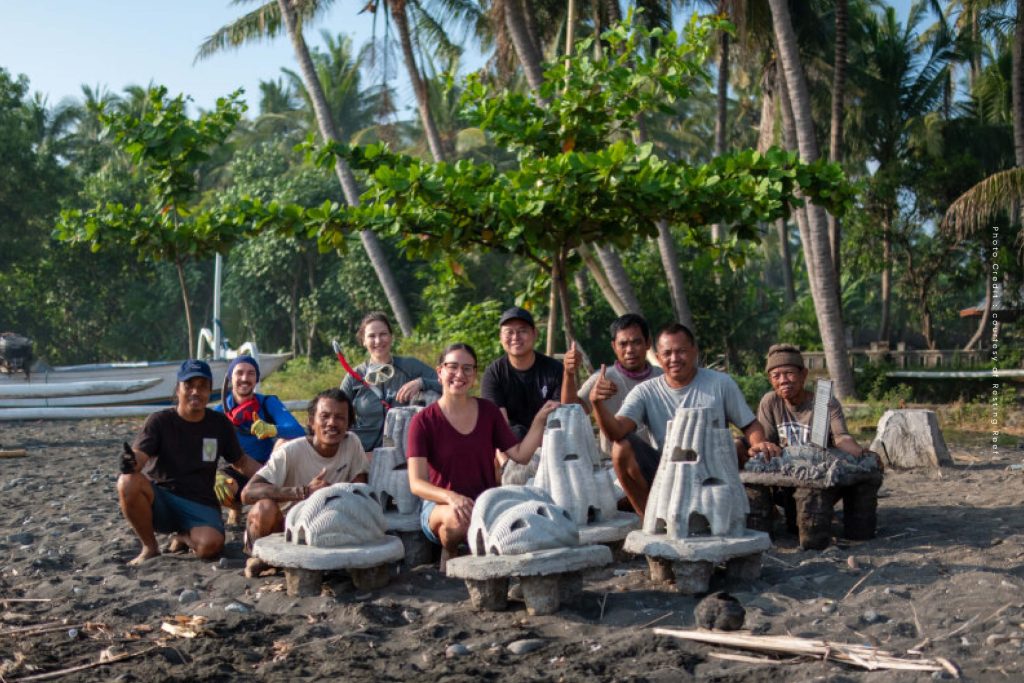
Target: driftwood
103,661
16,453
870,658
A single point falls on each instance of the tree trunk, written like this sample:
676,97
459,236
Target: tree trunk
310,258
722,109
816,244
419,87
986,316
835,153
883,325
527,51
1017,85
612,264
765,139
293,313
789,141
787,261
371,243
185,300
549,343
558,279
601,279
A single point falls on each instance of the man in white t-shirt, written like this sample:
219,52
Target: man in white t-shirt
631,340
654,402
330,454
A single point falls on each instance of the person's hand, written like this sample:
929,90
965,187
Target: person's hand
409,390
318,482
223,489
129,465
461,506
541,417
263,430
769,449
603,388
573,359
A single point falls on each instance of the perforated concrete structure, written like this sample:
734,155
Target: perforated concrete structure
338,527
389,479
518,531
572,472
396,426
697,508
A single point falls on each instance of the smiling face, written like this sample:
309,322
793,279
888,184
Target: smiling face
678,358
518,338
329,425
457,372
788,382
630,348
377,340
243,381
193,395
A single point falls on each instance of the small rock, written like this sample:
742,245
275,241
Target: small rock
941,676
22,538
78,590
188,595
828,608
871,617
72,633
455,650
719,611
851,562
238,608
522,647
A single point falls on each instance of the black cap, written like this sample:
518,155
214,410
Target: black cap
516,313
194,368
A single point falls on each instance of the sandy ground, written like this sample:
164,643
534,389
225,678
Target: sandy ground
944,575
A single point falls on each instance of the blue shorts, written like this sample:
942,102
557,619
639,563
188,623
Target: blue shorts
174,514
425,509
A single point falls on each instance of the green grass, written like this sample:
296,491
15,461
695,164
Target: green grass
300,379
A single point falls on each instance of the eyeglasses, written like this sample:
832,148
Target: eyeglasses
455,367
510,332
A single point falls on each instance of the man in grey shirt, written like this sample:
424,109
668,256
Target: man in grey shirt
631,340
654,402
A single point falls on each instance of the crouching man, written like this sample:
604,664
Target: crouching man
329,454
167,480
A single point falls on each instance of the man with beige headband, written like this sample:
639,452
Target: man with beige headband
787,410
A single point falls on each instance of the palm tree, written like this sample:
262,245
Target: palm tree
835,151
821,273
268,20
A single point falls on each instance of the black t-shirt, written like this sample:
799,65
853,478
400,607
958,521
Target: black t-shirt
184,454
522,392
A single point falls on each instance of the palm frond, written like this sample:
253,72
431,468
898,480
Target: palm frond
996,196
263,23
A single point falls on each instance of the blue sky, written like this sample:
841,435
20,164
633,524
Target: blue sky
62,44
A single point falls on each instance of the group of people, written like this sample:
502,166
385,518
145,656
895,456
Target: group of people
457,445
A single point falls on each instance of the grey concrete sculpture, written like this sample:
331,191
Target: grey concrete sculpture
512,520
389,479
396,426
570,467
336,516
697,489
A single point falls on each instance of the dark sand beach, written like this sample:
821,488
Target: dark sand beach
944,576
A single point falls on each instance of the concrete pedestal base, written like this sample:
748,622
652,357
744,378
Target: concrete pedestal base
302,583
690,562
304,565
549,578
610,531
418,550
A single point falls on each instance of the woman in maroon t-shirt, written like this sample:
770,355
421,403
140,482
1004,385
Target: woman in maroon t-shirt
451,449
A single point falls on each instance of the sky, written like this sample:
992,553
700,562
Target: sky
61,45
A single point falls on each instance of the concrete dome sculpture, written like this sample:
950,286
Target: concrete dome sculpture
571,470
697,509
513,520
336,516
396,426
697,490
389,479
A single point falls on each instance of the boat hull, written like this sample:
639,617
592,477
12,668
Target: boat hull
159,393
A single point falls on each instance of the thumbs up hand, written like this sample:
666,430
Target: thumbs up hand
572,359
603,388
318,482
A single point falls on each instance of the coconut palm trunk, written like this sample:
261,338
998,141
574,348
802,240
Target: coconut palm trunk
835,153
419,86
1017,85
526,48
371,243
821,272
722,109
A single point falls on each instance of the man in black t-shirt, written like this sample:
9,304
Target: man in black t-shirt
522,380
167,481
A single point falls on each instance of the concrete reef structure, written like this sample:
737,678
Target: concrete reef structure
518,531
338,527
696,513
572,472
389,479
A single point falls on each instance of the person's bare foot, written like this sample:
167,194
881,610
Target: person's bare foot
176,545
234,516
255,567
146,554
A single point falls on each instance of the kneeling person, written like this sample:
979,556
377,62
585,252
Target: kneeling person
179,448
329,454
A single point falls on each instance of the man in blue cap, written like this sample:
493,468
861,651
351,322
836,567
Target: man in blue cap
167,477
261,422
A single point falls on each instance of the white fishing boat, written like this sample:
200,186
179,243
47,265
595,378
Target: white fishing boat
118,389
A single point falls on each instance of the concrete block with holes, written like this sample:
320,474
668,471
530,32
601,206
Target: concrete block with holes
697,509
